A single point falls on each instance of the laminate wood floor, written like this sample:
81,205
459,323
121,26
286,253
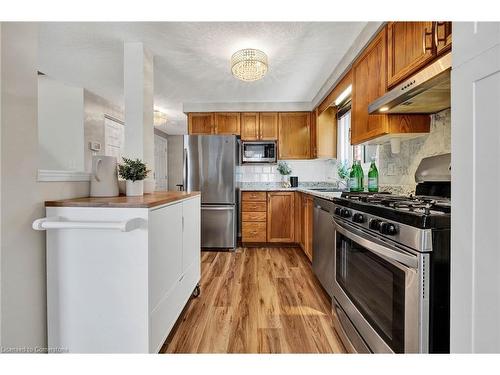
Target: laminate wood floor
256,300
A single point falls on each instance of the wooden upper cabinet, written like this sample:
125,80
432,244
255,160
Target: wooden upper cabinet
294,135
227,123
201,123
410,46
281,217
314,133
268,126
250,126
326,134
369,83
442,36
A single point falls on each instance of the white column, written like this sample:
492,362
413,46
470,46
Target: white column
138,93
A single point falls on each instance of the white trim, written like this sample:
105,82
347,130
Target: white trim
47,175
248,107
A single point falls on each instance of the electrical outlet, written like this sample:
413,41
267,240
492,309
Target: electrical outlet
391,169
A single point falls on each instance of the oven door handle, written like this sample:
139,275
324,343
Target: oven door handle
382,250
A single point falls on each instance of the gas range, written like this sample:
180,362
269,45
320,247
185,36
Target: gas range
424,212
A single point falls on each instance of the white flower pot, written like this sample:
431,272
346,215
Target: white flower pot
135,188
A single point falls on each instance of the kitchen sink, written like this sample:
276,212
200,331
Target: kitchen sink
326,190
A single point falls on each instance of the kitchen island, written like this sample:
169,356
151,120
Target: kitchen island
119,270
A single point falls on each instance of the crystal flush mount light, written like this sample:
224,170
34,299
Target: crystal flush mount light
249,64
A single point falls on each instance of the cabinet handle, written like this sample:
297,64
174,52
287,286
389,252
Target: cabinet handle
424,41
437,39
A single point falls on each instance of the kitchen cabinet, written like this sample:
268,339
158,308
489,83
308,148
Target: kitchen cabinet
280,217
132,269
314,134
410,46
442,36
268,122
326,130
201,123
227,123
253,216
294,135
259,126
250,126
369,83
306,237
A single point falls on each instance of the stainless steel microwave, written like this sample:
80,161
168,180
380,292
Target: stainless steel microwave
258,152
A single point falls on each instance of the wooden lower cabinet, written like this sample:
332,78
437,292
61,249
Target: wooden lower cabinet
278,217
306,217
254,217
281,217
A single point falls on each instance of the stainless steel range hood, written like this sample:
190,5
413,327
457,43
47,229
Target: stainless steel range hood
428,91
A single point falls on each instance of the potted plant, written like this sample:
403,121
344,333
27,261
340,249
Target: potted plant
343,171
284,170
134,172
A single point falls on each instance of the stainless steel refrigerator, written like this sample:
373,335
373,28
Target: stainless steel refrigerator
209,166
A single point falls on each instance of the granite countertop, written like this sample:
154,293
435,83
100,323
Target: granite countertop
303,188
122,201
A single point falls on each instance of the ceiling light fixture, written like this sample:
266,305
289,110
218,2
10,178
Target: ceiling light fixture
159,118
249,64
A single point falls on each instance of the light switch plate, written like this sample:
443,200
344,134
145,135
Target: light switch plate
94,146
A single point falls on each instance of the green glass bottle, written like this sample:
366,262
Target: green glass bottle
373,177
353,178
361,176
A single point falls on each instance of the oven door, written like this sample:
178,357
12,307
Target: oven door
379,286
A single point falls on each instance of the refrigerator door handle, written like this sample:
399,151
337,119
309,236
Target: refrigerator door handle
185,171
218,208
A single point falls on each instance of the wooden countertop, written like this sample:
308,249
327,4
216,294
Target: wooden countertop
122,201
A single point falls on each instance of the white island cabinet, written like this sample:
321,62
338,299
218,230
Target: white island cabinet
119,270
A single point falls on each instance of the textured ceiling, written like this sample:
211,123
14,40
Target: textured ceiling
192,59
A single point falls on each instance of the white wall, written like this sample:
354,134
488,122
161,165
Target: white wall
22,294
60,125
475,237
318,170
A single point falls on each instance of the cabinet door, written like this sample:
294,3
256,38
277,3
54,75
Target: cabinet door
165,252
250,126
280,216
268,126
410,46
191,244
326,130
201,123
303,218
309,208
314,133
294,135
298,217
227,123
369,83
442,36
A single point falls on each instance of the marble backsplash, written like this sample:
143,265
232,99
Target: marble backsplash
397,171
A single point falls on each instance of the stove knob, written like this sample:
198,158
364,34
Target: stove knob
374,224
345,212
337,211
388,228
358,218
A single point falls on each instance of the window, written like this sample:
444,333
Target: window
347,152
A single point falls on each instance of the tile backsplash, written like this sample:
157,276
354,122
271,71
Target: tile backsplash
399,169
319,170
